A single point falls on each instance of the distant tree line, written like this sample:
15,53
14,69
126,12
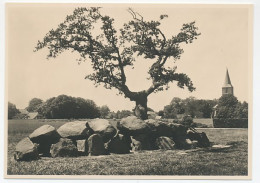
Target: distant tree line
198,108
67,107
226,106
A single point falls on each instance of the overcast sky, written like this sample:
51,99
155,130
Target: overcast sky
223,44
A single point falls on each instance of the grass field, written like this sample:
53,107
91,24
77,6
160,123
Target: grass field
232,161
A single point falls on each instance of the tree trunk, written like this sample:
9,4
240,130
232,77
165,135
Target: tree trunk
141,107
140,99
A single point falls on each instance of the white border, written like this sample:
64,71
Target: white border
256,85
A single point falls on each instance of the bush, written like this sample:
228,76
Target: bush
66,107
230,123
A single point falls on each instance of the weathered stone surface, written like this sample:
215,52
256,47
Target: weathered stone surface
44,149
202,138
131,125
103,127
141,142
26,150
76,130
46,134
194,144
82,146
178,129
118,145
183,143
159,128
165,143
96,145
64,148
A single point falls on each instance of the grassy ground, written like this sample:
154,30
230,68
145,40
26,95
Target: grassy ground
232,161
204,121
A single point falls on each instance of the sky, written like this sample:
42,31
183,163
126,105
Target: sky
223,44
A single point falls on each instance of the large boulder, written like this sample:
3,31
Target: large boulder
96,145
142,142
26,150
119,145
82,146
45,136
159,128
64,148
185,143
76,130
165,143
202,138
104,128
132,126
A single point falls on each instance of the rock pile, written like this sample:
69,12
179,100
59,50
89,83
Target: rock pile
99,137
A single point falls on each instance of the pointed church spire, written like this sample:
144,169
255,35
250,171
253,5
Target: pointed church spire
227,87
227,82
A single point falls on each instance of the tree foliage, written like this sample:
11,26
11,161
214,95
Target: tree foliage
190,106
104,111
230,107
34,104
12,110
112,50
66,107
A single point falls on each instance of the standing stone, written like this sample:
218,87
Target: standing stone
45,136
76,130
82,146
165,143
118,145
64,148
96,145
202,138
103,128
141,142
26,150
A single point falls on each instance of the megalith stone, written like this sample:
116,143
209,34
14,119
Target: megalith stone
159,128
141,142
103,128
202,138
119,145
76,130
64,148
165,143
96,145
26,150
131,125
45,136
82,146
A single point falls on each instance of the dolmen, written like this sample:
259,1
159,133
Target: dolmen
100,137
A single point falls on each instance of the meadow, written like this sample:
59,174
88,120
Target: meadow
200,161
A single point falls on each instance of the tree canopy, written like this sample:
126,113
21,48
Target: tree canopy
34,104
67,107
12,110
230,107
112,50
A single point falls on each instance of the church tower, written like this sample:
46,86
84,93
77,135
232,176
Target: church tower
227,87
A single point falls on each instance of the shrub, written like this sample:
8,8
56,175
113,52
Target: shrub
230,123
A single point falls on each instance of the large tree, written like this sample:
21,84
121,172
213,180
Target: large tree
111,51
34,104
12,110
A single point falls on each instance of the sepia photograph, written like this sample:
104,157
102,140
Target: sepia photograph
128,91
